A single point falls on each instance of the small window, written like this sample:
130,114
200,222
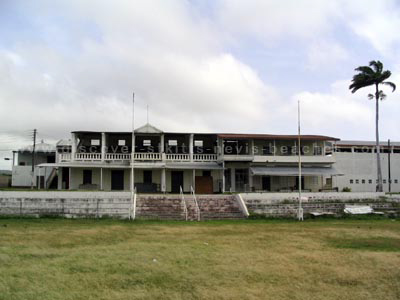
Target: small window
95,142
363,181
370,181
173,143
357,181
198,143
121,142
147,143
395,181
384,181
351,181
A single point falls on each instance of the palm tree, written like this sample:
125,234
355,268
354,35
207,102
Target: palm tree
368,76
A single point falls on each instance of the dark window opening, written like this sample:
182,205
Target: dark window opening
87,176
147,176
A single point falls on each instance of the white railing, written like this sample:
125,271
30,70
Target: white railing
184,204
87,156
204,157
148,156
177,157
65,156
195,202
117,156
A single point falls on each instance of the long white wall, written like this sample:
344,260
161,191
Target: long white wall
361,169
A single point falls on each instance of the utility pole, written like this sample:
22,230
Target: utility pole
33,157
300,212
389,171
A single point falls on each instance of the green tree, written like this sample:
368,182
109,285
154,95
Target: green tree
373,75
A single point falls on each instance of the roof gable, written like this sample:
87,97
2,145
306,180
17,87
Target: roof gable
148,128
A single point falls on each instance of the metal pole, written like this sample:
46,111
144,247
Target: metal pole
33,157
133,149
389,170
300,212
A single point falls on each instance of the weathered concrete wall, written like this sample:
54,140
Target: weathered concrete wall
290,209
65,204
329,196
286,204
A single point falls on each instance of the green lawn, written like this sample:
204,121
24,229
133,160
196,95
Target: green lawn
110,259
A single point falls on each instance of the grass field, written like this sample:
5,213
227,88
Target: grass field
109,259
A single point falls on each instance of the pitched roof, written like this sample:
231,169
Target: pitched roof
148,128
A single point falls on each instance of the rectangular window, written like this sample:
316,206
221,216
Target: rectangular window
351,181
357,181
87,177
317,150
363,181
198,143
207,173
173,143
395,181
121,142
95,142
384,181
147,143
267,150
370,181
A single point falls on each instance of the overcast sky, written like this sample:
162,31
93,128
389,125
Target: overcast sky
202,66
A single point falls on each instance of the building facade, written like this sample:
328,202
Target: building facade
357,161
204,162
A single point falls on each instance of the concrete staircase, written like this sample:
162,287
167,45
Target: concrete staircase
193,213
219,207
159,207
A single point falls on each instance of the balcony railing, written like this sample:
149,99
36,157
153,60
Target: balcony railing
147,156
205,157
177,157
117,156
88,156
66,157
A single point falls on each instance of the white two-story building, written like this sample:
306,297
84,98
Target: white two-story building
207,162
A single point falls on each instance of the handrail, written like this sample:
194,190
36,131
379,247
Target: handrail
196,203
184,204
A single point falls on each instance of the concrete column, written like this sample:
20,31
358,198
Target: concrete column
38,182
69,179
194,179
59,179
250,181
101,179
233,184
103,146
73,145
223,177
163,181
162,143
251,145
191,146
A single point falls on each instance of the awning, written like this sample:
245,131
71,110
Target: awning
293,171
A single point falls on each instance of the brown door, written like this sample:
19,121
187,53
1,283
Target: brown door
204,185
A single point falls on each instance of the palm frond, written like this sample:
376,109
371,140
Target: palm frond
376,65
365,69
391,84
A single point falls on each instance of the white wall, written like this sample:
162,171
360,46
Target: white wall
362,166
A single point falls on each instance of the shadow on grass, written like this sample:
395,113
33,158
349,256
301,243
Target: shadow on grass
369,244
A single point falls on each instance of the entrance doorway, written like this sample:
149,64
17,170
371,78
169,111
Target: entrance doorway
176,181
266,183
117,180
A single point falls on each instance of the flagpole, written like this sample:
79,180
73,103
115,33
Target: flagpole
300,212
132,185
